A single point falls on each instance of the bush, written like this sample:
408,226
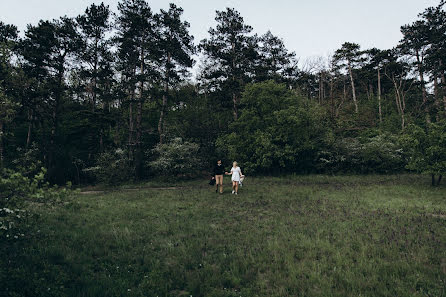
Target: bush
176,159
17,191
276,131
378,154
112,167
426,149
28,161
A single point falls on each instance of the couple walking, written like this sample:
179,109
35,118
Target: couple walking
237,176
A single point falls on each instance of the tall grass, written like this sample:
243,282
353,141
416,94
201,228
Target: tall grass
289,236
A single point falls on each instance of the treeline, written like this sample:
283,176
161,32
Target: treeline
109,97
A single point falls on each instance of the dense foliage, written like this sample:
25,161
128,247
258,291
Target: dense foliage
176,158
426,149
277,130
376,154
92,94
17,192
112,167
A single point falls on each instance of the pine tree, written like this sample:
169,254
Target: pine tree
233,53
175,48
46,49
349,56
414,45
275,61
138,53
96,69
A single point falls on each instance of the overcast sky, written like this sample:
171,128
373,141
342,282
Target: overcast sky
308,27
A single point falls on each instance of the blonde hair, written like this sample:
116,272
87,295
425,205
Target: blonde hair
234,163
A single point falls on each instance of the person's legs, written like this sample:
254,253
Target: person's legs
219,182
233,186
236,187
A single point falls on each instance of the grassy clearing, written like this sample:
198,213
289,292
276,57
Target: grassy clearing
291,236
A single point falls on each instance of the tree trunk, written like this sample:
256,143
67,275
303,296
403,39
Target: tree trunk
162,115
55,118
95,71
131,119
353,87
443,88
30,123
331,98
435,80
1,144
321,87
130,144
77,173
379,96
402,108
403,120
437,97
101,141
324,91
234,95
164,103
433,179
235,109
423,87
368,91
343,98
400,102
421,74
439,179
138,154
138,121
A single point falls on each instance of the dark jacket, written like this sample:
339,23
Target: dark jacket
219,170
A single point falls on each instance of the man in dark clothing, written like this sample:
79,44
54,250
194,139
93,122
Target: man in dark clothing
219,170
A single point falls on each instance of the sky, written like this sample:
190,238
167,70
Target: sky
310,28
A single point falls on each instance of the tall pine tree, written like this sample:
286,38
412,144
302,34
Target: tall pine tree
176,49
232,51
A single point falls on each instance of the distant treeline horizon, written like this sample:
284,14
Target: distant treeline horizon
105,97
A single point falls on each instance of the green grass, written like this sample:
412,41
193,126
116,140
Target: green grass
290,236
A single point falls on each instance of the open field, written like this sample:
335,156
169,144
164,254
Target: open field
289,236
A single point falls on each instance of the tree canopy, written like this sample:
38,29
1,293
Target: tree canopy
86,92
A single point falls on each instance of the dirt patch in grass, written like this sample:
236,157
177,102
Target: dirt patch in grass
129,190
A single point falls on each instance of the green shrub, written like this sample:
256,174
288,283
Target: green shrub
176,158
17,191
378,154
28,161
425,149
112,167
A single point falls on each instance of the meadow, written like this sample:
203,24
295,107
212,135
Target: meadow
287,236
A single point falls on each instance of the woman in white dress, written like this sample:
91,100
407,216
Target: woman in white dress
236,173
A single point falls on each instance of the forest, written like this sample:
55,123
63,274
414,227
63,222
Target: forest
112,120
110,98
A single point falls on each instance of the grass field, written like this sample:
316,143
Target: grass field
289,236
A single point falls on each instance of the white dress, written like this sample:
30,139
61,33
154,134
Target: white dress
236,173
